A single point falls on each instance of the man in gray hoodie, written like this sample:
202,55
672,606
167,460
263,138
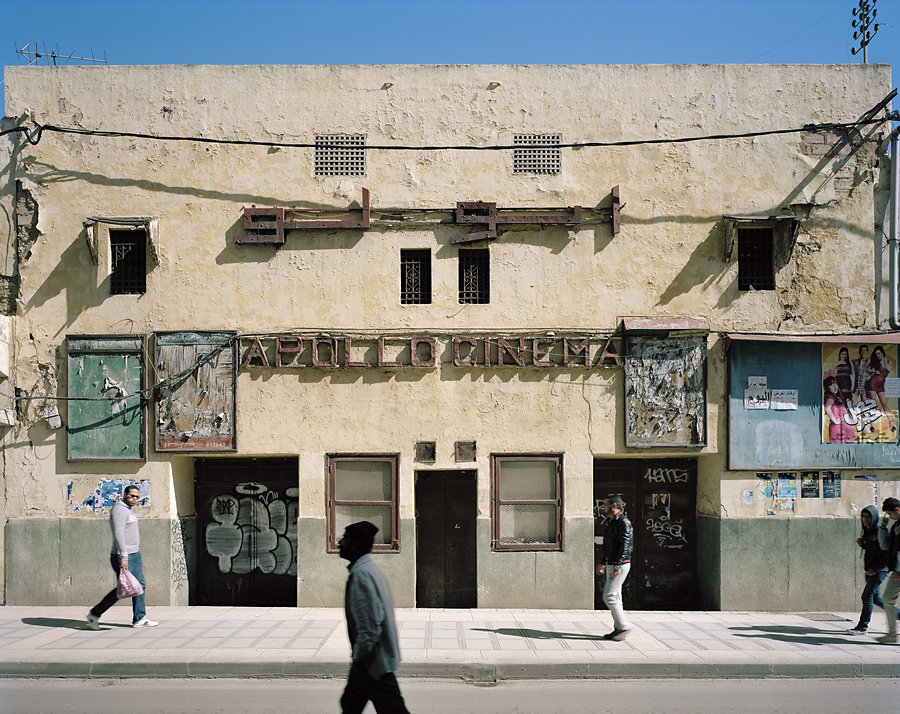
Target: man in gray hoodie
369,607
125,555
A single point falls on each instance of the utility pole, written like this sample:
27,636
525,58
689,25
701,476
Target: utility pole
862,20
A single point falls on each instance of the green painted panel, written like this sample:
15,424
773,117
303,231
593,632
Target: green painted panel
111,427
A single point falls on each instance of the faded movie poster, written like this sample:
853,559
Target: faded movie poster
859,393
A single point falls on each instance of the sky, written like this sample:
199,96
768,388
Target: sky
445,32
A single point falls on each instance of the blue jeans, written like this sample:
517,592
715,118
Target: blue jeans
871,596
138,607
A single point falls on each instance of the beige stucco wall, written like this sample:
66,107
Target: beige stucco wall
668,259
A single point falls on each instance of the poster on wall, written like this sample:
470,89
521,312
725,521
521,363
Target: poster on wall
195,386
859,382
809,484
831,484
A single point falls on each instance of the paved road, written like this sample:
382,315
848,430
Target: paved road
279,696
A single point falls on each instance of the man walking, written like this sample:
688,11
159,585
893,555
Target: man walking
617,543
889,538
125,555
369,606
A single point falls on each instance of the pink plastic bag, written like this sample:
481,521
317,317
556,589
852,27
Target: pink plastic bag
128,585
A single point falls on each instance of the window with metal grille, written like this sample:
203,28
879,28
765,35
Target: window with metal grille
474,276
527,502
363,488
543,160
128,260
756,264
340,155
415,277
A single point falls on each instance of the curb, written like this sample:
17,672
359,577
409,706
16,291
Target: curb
472,673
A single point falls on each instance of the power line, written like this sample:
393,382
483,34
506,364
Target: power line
34,136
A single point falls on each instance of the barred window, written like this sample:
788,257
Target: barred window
544,160
526,502
340,155
363,488
415,277
128,261
756,265
474,276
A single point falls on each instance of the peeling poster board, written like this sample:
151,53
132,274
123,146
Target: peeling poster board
105,414
100,496
665,391
195,377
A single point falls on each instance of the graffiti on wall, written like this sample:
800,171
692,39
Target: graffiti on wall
101,495
180,542
253,528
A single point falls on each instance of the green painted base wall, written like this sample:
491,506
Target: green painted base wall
780,565
65,561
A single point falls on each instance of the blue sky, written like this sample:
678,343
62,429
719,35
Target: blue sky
453,31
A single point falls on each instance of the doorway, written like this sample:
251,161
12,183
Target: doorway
446,565
247,532
660,501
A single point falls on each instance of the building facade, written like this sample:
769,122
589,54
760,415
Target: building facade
463,302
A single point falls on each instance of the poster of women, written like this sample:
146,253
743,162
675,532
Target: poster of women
860,385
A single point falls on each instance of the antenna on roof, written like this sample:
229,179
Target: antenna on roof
33,56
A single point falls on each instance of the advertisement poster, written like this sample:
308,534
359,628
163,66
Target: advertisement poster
859,384
831,484
787,484
809,484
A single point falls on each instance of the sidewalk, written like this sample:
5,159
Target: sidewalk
475,645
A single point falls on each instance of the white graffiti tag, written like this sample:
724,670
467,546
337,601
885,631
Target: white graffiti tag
660,475
667,534
257,530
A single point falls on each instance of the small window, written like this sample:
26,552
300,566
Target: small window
415,277
756,265
128,262
340,155
474,276
527,502
363,488
543,160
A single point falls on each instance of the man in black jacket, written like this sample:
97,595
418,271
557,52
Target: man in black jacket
617,542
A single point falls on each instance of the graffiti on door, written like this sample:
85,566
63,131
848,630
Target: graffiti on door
257,528
666,532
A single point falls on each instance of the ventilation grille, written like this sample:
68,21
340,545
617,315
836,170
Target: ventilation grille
545,160
340,155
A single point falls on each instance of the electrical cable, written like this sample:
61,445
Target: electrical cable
35,136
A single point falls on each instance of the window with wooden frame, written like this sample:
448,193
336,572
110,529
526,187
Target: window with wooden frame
363,488
526,502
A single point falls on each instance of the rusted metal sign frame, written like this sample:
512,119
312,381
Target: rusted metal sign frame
172,387
112,345
269,225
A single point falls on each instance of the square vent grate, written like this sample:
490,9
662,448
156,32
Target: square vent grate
340,155
543,160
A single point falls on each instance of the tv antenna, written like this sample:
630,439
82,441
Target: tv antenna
33,56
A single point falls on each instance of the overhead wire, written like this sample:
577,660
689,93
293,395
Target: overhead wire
34,136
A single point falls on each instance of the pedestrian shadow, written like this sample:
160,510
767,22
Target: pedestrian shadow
800,635
538,634
69,624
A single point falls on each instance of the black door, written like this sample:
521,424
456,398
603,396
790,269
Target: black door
247,532
660,497
445,539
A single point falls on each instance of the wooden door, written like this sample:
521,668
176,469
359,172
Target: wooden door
446,566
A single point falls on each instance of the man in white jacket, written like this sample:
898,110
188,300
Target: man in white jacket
125,555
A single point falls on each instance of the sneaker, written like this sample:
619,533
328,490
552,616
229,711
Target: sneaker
620,635
858,630
144,622
610,635
93,622
887,639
